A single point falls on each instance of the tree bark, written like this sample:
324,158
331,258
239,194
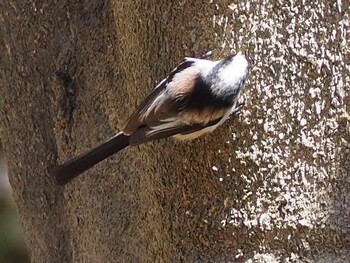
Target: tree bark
270,186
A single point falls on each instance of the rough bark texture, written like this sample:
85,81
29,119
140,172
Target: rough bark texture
272,186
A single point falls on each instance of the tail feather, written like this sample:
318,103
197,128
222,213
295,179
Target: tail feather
72,168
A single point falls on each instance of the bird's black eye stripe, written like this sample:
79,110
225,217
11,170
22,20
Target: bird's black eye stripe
203,97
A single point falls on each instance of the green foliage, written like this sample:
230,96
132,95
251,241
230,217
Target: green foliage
12,247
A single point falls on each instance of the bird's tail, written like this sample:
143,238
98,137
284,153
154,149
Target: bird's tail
72,168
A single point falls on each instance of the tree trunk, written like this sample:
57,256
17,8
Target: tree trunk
270,186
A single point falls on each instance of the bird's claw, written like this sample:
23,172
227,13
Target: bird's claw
237,110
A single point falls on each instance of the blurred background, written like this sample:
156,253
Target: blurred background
12,246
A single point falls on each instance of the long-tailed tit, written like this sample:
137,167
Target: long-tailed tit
196,97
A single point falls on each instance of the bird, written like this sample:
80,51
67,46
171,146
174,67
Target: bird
195,98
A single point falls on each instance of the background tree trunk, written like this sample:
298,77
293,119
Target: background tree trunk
272,186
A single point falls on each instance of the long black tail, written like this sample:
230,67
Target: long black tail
72,168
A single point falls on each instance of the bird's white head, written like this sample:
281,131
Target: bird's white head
233,69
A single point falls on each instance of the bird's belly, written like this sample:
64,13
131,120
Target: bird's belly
196,134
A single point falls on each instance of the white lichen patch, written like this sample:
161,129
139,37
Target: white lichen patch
297,93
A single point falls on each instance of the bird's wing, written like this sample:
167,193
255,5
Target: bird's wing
146,134
144,114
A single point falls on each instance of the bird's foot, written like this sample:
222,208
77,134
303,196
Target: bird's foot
237,110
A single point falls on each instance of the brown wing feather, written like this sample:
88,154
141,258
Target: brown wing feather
174,100
143,115
145,134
